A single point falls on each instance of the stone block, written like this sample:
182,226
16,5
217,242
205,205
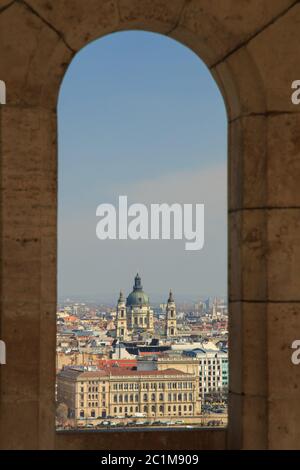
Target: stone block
283,328
23,417
247,184
284,254
247,351
279,69
283,168
20,329
242,87
154,15
247,255
33,57
284,418
224,26
248,428
79,22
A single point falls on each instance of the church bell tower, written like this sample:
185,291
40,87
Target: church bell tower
121,319
171,323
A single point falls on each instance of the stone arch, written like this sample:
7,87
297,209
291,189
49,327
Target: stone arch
39,39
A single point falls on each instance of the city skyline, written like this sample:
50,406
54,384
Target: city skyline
109,298
135,365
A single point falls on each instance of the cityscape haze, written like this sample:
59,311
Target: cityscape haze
142,325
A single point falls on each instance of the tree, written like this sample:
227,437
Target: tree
62,413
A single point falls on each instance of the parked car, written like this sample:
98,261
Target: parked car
213,423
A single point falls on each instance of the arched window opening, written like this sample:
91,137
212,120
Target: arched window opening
142,179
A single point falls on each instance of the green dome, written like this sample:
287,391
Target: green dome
137,297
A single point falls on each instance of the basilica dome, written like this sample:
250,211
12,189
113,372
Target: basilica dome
137,297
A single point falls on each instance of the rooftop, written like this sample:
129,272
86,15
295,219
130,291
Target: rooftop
119,372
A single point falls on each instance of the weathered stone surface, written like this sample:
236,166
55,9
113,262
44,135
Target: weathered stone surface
26,140
264,161
234,431
21,243
156,15
32,57
254,415
79,22
284,418
247,255
47,368
283,376
283,168
19,426
200,440
280,68
223,26
283,329
4,4
241,84
21,287
247,185
249,429
284,254
48,268
28,178
19,322
247,353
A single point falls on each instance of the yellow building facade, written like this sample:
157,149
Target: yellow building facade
120,393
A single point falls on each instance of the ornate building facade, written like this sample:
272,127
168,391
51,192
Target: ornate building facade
121,393
136,315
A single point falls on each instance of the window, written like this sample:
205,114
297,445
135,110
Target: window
162,150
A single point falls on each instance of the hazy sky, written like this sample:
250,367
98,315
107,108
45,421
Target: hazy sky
140,115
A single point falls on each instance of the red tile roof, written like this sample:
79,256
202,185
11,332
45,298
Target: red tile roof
120,372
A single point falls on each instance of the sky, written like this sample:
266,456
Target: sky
139,114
